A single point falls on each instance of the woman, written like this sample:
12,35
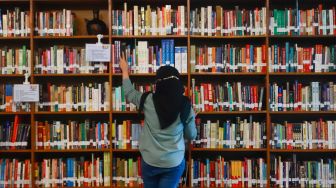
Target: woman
162,139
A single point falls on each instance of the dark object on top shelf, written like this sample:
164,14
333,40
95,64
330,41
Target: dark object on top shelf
95,26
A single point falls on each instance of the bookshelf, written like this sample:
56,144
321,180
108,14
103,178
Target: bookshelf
82,9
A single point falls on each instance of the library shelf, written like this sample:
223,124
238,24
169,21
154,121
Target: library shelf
14,38
302,74
303,113
68,37
72,113
149,37
71,150
73,75
125,112
15,151
302,37
227,150
228,74
302,150
15,113
228,37
125,150
232,112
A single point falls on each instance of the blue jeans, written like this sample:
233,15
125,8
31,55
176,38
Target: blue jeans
155,177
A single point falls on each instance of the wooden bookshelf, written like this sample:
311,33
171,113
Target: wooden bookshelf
188,40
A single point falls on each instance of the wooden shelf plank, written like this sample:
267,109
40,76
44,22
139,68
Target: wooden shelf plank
125,150
73,75
228,74
228,37
227,150
302,74
149,36
302,37
71,150
302,150
232,112
68,37
14,38
142,74
11,75
72,113
15,113
16,151
302,112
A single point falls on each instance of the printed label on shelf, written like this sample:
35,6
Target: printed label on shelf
98,52
26,92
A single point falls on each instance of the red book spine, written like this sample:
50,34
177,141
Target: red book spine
263,69
211,100
15,130
289,135
255,97
86,175
26,170
299,97
128,134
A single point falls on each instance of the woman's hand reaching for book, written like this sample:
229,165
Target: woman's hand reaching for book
123,66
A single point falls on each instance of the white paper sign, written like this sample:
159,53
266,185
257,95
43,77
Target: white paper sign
26,92
98,52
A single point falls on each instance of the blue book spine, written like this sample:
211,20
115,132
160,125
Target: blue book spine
218,59
231,61
99,136
9,90
163,47
291,59
251,55
287,56
68,171
280,101
275,69
158,56
172,53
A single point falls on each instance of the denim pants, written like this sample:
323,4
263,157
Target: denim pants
155,177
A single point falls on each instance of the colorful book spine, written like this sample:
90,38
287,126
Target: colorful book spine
15,60
292,172
119,100
14,23
72,135
208,97
293,58
126,172
14,135
306,135
218,172
297,22
147,59
148,20
73,172
216,21
243,133
54,23
65,60
313,96
15,173
228,58
125,135
6,100
80,97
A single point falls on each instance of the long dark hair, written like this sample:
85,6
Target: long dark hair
168,98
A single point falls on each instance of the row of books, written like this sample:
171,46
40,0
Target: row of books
76,97
125,135
293,58
14,135
14,22
218,172
119,102
15,173
216,21
54,23
15,60
227,134
227,96
7,103
307,173
73,172
313,96
306,135
65,60
150,21
126,172
295,21
72,135
228,58
147,59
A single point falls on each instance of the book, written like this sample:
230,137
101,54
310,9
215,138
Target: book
218,21
15,172
6,100
297,22
228,58
65,60
208,97
78,97
54,23
241,133
218,172
91,170
126,134
149,20
126,171
15,60
72,135
293,58
313,96
145,58
14,22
